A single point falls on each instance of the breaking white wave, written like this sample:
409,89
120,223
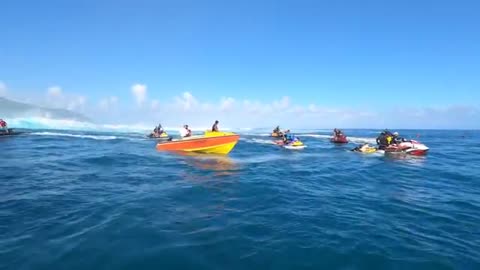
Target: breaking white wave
65,124
81,136
47,123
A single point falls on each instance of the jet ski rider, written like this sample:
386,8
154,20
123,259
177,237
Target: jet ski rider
386,138
277,131
361,148
382,140
4,126
289,138
396,139
160,130
337,132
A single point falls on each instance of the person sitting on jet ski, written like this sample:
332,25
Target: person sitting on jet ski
4,126
396,139
278,132
361,148
382,140
337,132
160,130
289,138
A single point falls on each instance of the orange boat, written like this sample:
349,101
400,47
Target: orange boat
210,143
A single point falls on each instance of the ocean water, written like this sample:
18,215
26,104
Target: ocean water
86,200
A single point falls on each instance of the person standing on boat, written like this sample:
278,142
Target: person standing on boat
215,126
185,132
3,126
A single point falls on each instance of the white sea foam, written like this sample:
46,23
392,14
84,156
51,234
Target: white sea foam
81,136
47,123
362,140
55,124
257,141
315,136
350,139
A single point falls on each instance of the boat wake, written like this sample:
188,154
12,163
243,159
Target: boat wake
258,141
358,140
320,136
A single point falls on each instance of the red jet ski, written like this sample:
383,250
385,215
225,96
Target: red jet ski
339,139
412,147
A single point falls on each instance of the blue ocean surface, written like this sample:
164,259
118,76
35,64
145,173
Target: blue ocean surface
91,200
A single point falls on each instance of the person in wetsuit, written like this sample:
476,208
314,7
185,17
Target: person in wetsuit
289,138
215,126
160,129
361,148
382,141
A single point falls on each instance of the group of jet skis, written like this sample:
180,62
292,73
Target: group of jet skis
387,142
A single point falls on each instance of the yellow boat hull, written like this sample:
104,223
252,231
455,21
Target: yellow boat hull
209,143
219,149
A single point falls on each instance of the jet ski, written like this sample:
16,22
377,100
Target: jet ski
293,144
366,149
163,136
411,147
339,139
10,132
296,145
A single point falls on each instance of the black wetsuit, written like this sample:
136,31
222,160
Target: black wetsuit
382,142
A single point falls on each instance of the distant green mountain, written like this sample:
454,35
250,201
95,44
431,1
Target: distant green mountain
14,109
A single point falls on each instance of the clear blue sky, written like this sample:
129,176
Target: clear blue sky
346,54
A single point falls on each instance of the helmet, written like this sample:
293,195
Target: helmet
395,133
